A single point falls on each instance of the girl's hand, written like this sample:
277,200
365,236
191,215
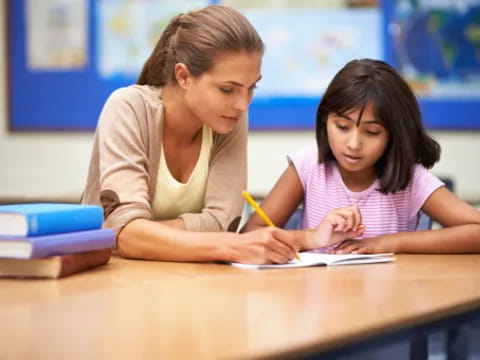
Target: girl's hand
268,245
338,225
376,245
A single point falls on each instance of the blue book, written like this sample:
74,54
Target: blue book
36,219
30,247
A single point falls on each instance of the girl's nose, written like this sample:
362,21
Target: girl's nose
354,141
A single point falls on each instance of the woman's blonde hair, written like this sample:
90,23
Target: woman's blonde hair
195,38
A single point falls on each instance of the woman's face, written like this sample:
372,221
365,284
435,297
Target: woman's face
221,95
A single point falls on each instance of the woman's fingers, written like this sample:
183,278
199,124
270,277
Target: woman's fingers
287,238
279,248
270,245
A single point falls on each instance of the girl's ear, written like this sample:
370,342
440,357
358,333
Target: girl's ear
182,75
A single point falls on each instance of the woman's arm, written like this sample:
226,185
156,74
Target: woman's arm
118,178
461,232
174,223
144,239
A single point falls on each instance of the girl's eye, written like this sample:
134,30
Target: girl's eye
253,87
226,90
374,131
342,127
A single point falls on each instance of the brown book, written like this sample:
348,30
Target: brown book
54,266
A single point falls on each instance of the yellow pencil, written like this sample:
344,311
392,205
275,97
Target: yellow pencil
260,212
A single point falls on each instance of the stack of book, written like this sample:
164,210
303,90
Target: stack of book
52,239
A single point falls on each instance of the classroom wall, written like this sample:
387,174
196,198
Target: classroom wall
54,165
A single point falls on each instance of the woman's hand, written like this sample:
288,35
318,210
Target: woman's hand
338,225
269,245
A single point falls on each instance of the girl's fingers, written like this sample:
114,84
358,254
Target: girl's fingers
358,216
355,216
354,233
340,246
349,219
338,222
345,245
351,247
346,219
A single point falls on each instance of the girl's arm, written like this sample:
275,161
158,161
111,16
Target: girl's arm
284,199
281,202
460,232
460,221
149,240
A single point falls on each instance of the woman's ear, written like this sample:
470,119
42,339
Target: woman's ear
182,75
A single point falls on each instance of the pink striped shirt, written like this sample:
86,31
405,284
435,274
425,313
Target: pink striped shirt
324,190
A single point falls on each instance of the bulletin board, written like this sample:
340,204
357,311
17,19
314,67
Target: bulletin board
50,98
67,92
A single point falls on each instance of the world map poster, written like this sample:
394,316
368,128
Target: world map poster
437,46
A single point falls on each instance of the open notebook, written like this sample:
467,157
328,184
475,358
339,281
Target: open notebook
314,258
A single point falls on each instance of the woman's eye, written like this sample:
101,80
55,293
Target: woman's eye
253,87
226,90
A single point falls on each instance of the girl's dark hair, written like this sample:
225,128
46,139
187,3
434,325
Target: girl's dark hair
194,39
394,104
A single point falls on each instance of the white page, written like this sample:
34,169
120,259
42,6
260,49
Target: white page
315,258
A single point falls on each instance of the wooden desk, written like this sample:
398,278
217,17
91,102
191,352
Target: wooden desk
153,310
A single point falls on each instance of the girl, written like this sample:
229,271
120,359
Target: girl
366,183
169,155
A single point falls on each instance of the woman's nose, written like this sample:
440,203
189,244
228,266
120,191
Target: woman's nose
242,103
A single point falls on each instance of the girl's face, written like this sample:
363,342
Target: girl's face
221,95
357,147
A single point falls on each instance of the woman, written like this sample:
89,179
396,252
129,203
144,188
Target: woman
169,156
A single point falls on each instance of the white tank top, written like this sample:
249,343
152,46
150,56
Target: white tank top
173,198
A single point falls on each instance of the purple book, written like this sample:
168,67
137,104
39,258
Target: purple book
19,247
